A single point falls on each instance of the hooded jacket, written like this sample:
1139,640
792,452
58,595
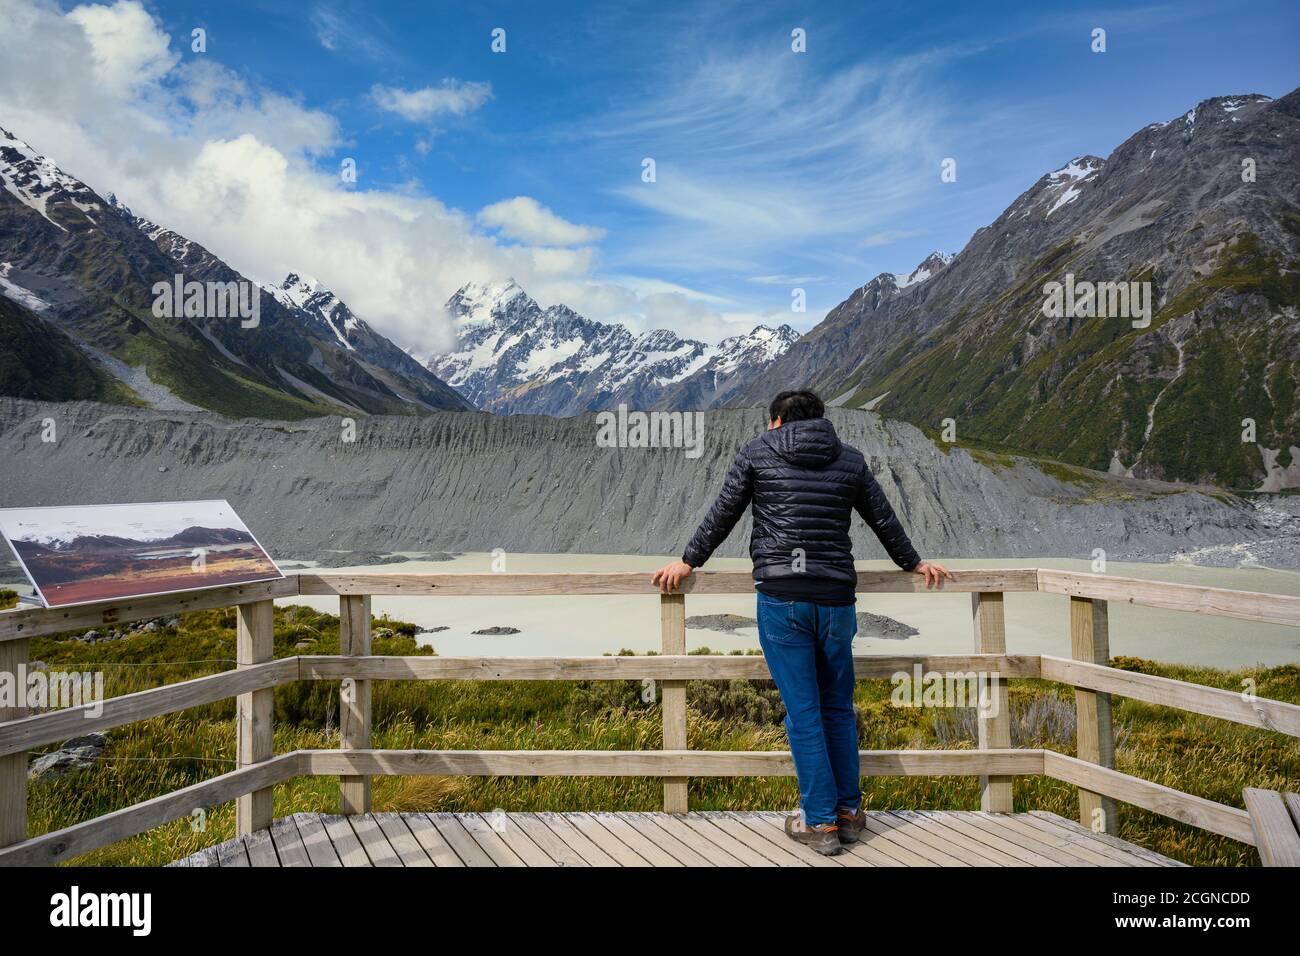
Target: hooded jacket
804,484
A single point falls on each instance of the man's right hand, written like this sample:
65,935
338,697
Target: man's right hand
670,576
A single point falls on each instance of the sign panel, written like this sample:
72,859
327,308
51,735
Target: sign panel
81,554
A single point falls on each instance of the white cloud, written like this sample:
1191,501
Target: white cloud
190,144
128,49
527,220
452,98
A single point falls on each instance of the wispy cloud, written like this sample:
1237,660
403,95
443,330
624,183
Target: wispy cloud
527,220
452,97
342,29
787,280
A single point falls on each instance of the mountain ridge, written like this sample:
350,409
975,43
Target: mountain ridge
514,357
1170,206
86,266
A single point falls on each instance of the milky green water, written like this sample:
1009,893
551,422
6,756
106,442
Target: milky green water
1036,623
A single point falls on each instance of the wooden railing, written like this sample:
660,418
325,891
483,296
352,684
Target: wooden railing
259,769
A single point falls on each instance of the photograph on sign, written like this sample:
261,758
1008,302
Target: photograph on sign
88,553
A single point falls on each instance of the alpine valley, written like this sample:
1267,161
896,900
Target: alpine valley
1201,212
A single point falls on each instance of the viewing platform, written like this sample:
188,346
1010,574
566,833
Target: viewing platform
357,836
721,838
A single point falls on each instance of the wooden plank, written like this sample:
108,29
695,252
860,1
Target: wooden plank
984,849
677,828
709,832
378,850
1293,804
354,700
38,730
1220,602
994,722
616,849
672,626
684,850
1081,845
1090,643
492,842
520,843
433,842
1070,851
547,840
999,825
254,732
861,851
1195,811
956,820
774,833
233,853
1107,854
289,846
1137,850
657,763
35,622
1275,831
320,851
779,855
576,840
400,838
652,851
459,839
203,858
345,842
917,841
632,582
13,765
261,851
1195,698
59,845
928,838
665,667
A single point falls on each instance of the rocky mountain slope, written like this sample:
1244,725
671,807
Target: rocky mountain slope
473,481
512,356
85,265
1206,209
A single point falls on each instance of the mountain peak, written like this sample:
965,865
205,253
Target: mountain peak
493,300
513,356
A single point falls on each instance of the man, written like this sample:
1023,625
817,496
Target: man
804,485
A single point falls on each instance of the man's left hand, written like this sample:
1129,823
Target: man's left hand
670,576
934,573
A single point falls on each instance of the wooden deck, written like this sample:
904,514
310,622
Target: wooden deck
894,838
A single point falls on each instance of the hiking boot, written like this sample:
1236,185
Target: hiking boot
823,838
851,824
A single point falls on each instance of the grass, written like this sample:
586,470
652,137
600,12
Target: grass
1210,758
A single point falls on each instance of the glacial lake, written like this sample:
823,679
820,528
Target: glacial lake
1036,623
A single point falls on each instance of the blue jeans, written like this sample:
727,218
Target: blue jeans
809,650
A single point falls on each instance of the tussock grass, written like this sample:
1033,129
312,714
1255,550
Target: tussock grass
1210,758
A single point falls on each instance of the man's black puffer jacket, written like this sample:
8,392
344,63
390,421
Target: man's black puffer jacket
805,485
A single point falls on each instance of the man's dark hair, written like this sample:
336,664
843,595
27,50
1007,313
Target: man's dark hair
796,407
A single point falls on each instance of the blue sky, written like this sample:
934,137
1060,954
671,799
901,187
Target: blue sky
774,168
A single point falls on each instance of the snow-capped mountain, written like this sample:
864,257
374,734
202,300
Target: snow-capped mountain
308,296
37,182
1200,214
513,356
78,270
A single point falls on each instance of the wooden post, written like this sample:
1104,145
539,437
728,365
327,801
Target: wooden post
1090,642
672,624
254,740
989,622
354,699
13,767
